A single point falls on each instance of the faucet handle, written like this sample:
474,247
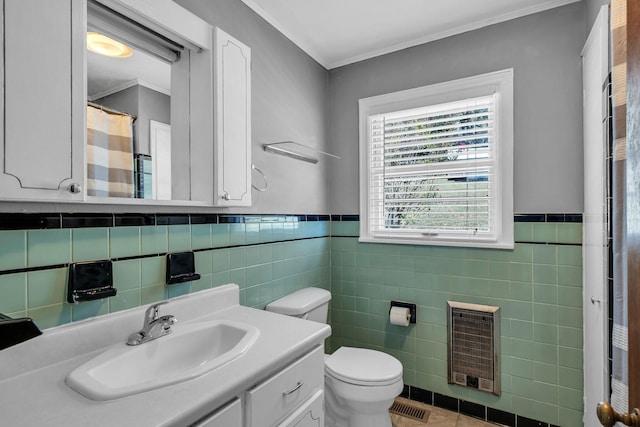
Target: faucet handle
151,313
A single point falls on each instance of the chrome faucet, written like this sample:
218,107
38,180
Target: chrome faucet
153,327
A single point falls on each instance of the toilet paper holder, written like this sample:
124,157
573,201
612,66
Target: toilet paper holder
410,306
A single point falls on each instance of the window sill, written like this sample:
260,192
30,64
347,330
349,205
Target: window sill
462,243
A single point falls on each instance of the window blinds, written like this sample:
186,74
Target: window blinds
432,170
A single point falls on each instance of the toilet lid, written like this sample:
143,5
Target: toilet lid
362,366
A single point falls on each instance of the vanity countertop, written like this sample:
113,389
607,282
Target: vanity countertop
33,391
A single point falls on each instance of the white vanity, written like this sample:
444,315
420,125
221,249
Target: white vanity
276,381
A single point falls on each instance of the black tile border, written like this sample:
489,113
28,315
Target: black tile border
474,410
28,221
87,220
471,409
34,221
40,221
501,417
549,217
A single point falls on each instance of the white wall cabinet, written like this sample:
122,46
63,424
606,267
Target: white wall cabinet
43,111
42,127
232,121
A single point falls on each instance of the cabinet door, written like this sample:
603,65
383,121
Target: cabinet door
228,416
284,392
232,152
309,414
42,111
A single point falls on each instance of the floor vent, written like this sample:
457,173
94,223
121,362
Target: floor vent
474,346
409,410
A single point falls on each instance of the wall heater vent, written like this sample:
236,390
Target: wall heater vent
474,346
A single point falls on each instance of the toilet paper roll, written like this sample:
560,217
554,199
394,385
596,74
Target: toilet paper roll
399,316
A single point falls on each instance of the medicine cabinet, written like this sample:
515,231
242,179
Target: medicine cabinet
43,130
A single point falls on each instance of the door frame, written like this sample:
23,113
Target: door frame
632,199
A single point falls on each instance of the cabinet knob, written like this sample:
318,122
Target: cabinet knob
74,188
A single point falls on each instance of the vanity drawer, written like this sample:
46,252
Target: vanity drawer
271,400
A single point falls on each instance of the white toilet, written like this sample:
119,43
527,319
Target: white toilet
360,384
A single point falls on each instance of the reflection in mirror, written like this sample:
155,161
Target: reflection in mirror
128,113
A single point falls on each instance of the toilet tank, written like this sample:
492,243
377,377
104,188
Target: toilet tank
307,303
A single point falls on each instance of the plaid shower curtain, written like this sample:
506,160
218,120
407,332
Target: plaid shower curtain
109,154
619,335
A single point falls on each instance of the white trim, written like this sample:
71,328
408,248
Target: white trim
328,64
317,56
127,85
499,82
168,18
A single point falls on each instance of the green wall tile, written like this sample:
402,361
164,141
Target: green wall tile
87,309
545,274
570,276
153,271
537,287
200,236
48,247
124,300
545,232
13,289
89,244
203,262
124,241
126,274
570,255
570,296
570,232
178,289
545,372
154,240
219,235
220,260
545,254
13,250
205,282
151,294
252,233
545,333
46,287
569,417
50,316
179,237
523,232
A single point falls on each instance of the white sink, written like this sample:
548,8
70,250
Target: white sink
188,352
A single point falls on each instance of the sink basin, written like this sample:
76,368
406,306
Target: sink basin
190,351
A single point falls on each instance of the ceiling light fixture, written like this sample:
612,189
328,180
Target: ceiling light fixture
106,46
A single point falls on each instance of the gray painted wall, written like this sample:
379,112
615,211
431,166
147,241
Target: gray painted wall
289,102
544,50
592,8
153,105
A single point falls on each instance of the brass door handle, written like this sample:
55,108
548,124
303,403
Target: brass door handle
608,417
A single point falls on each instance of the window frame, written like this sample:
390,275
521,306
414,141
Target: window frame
499,83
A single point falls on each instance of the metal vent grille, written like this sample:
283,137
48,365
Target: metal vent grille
473,346
407,409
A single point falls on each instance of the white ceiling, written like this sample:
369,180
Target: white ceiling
109,75
340,32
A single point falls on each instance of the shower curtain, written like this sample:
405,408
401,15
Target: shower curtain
109,154
619,333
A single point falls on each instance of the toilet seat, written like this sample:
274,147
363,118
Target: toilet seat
364,367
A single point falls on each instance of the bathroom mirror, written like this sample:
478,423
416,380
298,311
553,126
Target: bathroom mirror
136,150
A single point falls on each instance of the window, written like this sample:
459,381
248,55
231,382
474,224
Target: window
436,164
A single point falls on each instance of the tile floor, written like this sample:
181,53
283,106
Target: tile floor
437,417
